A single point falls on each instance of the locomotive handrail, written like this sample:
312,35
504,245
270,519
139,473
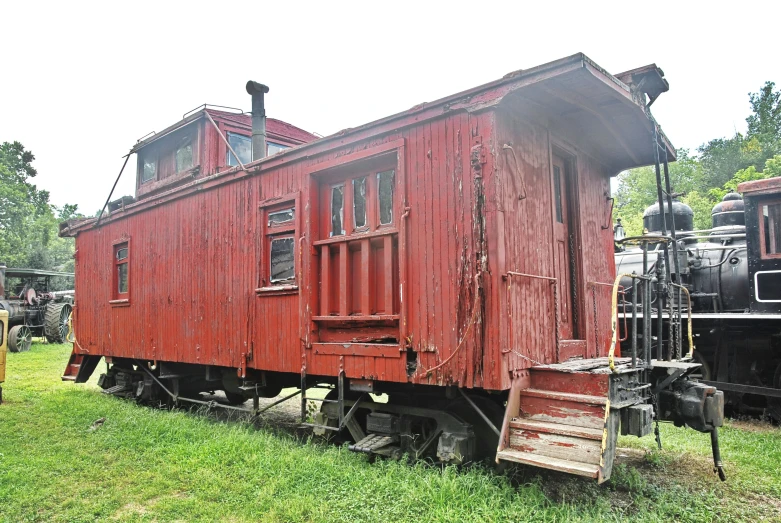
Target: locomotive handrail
614,316
689,298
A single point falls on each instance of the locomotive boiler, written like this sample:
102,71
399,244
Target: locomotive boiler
456,256
736,329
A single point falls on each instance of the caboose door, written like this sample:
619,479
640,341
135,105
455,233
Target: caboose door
357,252
563,252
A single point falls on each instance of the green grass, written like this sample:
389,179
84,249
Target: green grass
144,464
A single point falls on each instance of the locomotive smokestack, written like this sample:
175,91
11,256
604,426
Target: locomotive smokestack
257,90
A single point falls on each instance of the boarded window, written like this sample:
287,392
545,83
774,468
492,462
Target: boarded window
243,147
184,155
282,259
337,210
385,196
274,148
279,217
359,202
557,193
149,171
771,218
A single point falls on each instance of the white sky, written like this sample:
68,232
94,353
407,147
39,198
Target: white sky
80,83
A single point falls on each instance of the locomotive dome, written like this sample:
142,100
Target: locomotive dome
684,217
729,211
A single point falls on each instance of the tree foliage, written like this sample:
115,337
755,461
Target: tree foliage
28,222
721,165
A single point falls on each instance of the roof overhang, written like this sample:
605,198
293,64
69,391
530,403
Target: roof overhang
596,111
760,187
22,273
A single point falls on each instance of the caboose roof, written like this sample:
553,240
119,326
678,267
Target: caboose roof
572,94
759,187
275,129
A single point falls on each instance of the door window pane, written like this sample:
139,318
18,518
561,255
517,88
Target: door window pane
771,215
243,147
385,195
359,202
337,210
557,193
282,259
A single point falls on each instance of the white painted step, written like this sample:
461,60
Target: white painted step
589,470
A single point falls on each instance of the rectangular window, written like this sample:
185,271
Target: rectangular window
121,270
243,147
274,148
771,229
184,155
359,202
282,262
385,196
557,193
149,170
337,210
278,249
280,217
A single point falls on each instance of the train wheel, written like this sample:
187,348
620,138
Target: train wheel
20,338
486,440
55,325
235,398
323,418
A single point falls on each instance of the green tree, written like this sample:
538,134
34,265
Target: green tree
28,222
637,189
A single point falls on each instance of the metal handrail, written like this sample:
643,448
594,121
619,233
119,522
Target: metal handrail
614,317
689,299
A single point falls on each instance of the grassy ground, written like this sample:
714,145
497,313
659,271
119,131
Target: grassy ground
152,465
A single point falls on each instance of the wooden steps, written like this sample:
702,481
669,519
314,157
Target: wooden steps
562,419
72,369
562,465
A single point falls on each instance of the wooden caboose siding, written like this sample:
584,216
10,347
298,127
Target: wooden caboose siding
196,248
195,268
527,321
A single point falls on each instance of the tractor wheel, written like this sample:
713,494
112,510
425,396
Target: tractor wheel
55,325
20,338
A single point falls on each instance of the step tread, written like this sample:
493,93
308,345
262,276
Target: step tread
565,396
562,465
556,428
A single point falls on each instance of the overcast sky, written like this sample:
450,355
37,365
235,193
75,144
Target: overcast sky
80,83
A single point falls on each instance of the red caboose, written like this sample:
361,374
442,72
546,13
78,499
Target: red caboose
457,256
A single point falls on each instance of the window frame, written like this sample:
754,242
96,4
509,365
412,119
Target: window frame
763,254
120,299
288,229
150,154
184,141
228,153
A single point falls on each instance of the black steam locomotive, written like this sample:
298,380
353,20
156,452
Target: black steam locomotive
732,276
